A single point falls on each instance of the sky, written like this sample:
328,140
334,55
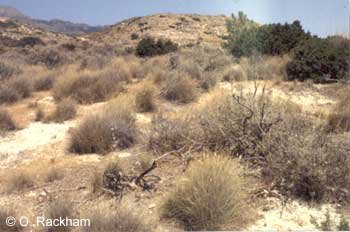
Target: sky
321,17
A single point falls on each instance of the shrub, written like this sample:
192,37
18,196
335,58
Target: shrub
4,214
20,181
89,88
144,99
120,219
59,209
339,118
29,41
50,58
170,134
319,60
234,74
6,71
65,110
44,82
178,88
246,37
192,202
39,115
15,89
114,128
53,174
6,121
151,47
134,36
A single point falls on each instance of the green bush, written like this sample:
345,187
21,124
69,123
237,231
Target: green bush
151,47
320,60
246,37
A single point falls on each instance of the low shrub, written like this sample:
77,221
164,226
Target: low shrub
192,202
29,41
6,71
59,209
114,128
6,121
15,89
179,88
44,82
19,181
116,219
65,110
339,118
53,174
50,58
86,89
151,47
4,214
144,99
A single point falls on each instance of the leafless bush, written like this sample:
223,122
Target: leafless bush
44,82
192,202
20,181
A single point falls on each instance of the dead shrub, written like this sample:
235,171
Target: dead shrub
116,219
6,121
15,89
39,115
144,99
114,128
179,88
234,73
6,71
59,209
65,110
87,88
4,214
339,118
20,181
192,202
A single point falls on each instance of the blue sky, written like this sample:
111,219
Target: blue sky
322,17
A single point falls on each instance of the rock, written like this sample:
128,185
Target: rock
152,206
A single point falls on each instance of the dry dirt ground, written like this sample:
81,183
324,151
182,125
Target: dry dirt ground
40,147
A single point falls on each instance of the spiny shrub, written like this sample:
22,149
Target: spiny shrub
65,110
15,89
120,219
6,121
151,47
113,128
339,118
179,88
88,89
144,99
192,202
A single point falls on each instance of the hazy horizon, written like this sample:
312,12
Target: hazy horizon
324,17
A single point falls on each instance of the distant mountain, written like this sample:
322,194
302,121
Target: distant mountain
51,25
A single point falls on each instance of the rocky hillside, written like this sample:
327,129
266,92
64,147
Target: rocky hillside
180,28
51,25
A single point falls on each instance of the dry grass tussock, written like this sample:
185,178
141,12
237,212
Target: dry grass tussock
15,89
6,121
20,180
339,119
114,127
59,209
145,99
192,202
90,86
116,219
65,110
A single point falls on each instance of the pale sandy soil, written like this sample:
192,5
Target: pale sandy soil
40,146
